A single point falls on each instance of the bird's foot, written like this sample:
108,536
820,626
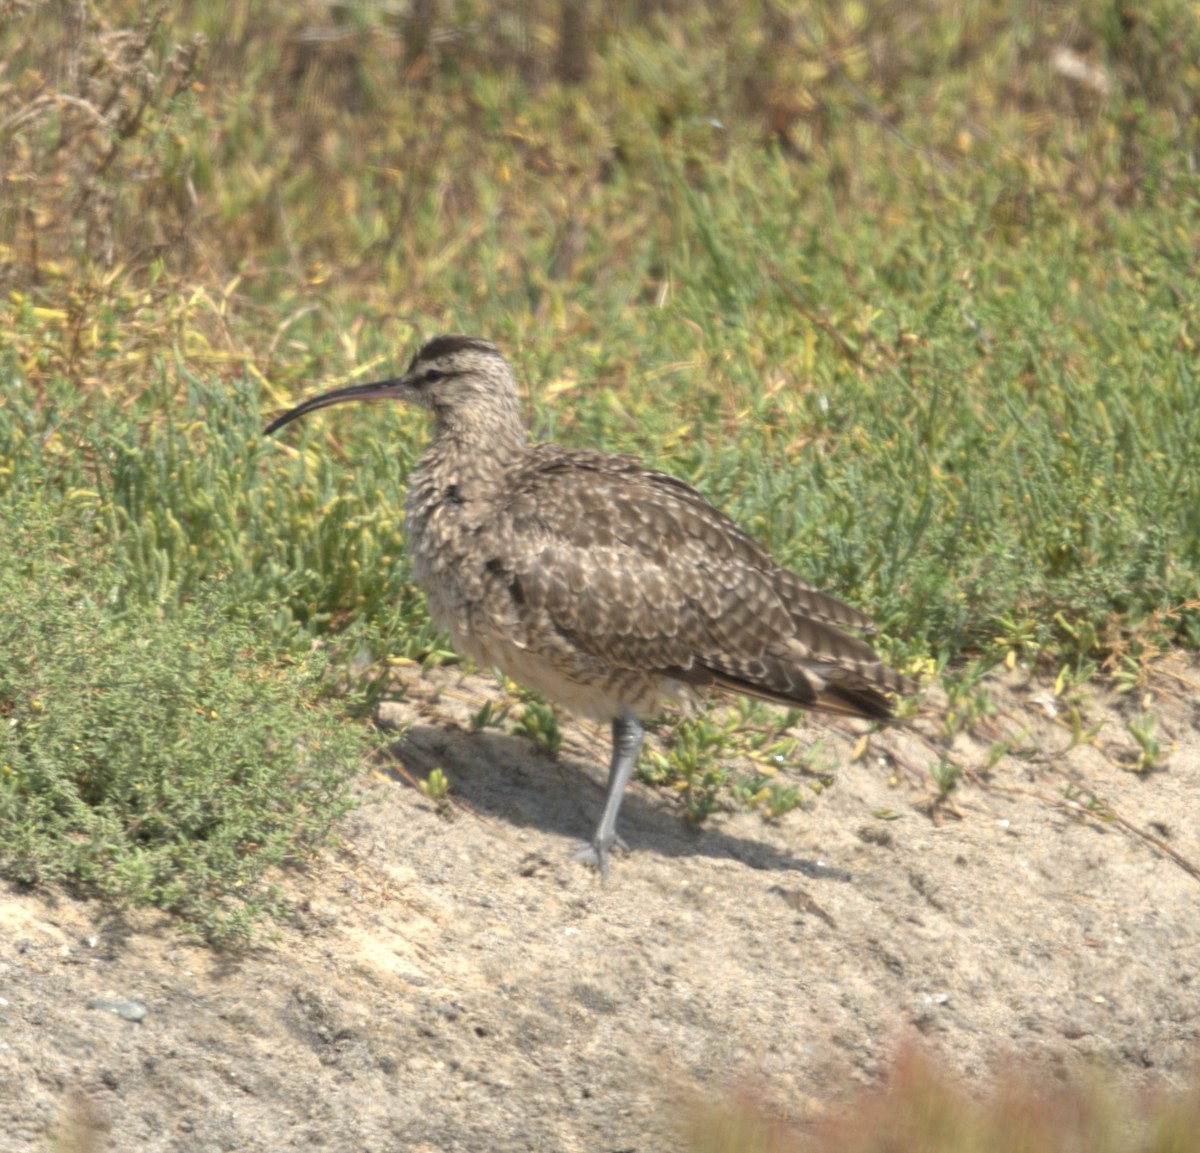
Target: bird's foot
595,854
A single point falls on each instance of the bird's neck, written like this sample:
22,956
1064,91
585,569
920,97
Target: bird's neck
457,434
458,473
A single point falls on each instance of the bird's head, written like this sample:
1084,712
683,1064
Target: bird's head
465,381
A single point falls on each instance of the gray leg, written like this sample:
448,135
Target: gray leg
627,733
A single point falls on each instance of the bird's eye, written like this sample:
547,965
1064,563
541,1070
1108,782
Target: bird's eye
432,375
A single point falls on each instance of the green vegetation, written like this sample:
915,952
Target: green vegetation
435,786
1141,728
700,752
157,759
538,722
909,290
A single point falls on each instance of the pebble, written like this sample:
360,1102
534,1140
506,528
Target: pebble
127,1010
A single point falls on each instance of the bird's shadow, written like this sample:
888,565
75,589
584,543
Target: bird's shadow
511,781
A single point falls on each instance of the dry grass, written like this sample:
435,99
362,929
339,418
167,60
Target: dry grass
920,1108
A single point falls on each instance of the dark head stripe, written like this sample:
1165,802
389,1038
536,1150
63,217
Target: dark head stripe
448,345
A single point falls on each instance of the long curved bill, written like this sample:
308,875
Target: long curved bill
372,391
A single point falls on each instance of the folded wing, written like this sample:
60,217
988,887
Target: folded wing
637,569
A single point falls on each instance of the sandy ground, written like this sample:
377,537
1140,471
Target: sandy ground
460,983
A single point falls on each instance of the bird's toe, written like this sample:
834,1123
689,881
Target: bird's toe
595,854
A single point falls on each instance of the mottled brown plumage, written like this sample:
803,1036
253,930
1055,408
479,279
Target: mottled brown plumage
607,586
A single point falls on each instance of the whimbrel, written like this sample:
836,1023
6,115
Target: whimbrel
590,578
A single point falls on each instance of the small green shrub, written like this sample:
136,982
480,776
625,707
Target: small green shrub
155,761
435,786
537,721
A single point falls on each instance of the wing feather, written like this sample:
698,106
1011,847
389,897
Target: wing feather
637,569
